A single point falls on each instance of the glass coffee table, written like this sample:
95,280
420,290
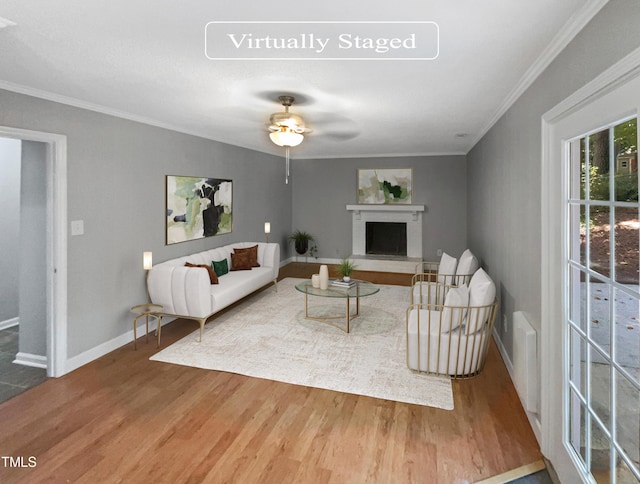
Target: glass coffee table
361,289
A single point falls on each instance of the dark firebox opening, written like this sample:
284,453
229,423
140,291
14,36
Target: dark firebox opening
386,238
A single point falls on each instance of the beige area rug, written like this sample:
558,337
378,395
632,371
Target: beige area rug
267,336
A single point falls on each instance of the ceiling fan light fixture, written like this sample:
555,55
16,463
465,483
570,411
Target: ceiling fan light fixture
286,137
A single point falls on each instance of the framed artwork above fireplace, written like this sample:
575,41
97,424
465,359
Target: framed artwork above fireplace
385,186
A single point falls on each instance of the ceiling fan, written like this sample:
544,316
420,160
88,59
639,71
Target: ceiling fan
287,129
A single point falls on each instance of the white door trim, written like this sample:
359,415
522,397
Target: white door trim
553,244
56,244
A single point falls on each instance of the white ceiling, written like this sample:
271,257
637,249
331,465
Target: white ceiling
145,60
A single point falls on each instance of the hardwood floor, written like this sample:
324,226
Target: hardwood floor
123,418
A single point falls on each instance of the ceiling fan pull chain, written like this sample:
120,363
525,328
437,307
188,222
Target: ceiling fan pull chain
286,151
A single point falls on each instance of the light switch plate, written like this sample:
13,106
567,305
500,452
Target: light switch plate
77,227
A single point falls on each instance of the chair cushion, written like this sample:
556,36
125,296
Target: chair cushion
482,292
446,269
454,310
468,265
429,293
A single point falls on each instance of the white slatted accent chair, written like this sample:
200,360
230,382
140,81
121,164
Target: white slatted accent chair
453,339
449,272
443,274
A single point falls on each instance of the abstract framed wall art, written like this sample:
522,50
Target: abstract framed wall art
385,186
198,207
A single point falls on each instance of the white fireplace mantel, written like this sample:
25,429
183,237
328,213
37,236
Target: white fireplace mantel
409,214
413,209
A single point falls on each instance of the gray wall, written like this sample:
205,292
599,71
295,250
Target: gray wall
504,200
10,227
116,184
322,188
33,256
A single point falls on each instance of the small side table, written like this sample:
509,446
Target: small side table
147,310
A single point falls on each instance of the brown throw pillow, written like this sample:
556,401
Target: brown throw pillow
241,261
253,251
213,277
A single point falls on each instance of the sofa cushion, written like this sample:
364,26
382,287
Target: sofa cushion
213,277
221,267
241,261
253,254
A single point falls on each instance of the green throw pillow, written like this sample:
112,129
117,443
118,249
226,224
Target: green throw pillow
221,267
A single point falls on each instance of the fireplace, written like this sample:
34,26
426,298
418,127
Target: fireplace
395,252
386,238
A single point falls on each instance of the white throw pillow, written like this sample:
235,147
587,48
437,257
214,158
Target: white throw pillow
482,292
468,265
446,269
454,310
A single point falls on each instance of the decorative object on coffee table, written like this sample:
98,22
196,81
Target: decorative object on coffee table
345,268
324,277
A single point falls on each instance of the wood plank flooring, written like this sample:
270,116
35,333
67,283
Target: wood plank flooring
123,418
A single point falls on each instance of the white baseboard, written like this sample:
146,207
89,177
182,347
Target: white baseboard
9,323
534,418
309,259
28,359
96,352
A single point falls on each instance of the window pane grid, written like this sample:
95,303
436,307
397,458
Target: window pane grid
603,302
593,274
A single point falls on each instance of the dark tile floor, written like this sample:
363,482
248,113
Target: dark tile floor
15,379
541,477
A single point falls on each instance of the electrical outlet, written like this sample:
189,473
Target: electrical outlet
439,252
504,323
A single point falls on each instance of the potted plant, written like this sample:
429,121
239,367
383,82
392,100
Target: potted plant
301,240
345,268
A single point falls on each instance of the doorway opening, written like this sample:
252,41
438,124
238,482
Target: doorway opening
51,166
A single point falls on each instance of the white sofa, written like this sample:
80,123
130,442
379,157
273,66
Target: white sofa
187,292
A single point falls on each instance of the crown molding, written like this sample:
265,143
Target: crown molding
566,34
380,155
98,108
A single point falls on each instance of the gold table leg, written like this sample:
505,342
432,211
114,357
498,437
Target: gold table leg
327,319
159,319
135,336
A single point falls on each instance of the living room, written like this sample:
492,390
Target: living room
108,168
